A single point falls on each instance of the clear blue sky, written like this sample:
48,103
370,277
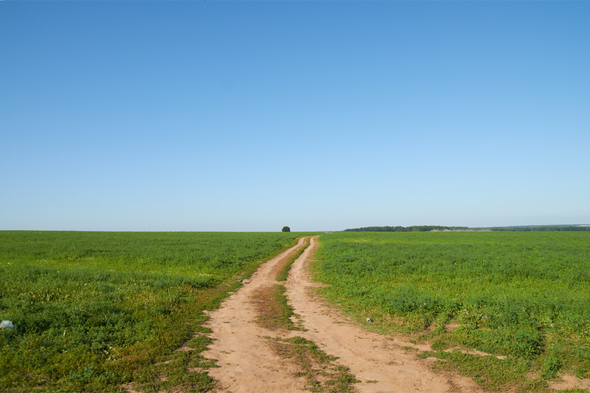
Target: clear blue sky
247,116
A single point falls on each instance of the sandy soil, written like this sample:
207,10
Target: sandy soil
569,382
247,364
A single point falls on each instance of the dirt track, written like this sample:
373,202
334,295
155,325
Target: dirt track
247,364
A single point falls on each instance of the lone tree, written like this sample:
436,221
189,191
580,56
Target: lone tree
286,229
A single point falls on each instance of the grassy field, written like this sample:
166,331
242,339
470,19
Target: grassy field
522,296
96,311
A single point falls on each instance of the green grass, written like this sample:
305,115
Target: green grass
94,311
521,295
274,312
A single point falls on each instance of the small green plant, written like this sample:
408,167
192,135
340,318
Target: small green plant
551,365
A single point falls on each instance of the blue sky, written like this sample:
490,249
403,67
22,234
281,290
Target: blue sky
247,116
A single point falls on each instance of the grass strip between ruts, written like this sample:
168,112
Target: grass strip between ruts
321,372
274,312
285,271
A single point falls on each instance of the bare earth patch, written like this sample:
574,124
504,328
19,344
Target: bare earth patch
569,382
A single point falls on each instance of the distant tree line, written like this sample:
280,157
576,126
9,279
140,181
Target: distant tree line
419,228
428,228
541,228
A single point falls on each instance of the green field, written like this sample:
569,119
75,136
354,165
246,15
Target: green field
525,296
94,311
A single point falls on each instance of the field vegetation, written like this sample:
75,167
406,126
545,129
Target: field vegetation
522,298
96,311
419,228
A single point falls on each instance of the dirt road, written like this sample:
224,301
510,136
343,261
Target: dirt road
247,363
